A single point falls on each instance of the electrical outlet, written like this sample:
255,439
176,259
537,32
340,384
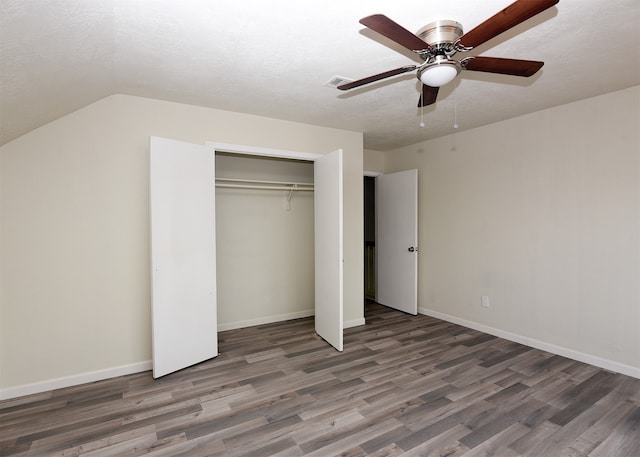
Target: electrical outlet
485,301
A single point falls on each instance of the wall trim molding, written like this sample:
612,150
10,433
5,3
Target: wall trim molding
353,323
74,380
537,344
114,372
260,151
283,317
265,320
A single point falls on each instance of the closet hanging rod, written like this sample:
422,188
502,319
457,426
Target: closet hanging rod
256,181
250,186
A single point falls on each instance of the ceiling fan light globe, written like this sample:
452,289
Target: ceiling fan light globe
439,74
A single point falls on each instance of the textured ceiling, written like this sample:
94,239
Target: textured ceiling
272,58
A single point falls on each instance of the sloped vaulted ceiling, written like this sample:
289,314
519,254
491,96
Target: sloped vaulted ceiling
272,58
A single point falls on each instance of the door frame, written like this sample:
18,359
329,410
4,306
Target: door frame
295,155
376,174
370,174
264,152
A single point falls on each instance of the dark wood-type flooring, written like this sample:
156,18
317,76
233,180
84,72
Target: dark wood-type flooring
404,385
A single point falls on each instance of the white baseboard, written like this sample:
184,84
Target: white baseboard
265,320
73,380
99,375
280,318
548,347
353,323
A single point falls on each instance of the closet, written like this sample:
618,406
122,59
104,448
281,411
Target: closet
264,239
186,280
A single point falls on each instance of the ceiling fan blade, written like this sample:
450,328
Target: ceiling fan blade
378,77
394,31
512,15
515,67
429,96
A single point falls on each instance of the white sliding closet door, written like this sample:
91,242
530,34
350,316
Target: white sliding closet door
328,198
183,254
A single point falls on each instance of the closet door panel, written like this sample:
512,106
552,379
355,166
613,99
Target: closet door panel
183,254
329,257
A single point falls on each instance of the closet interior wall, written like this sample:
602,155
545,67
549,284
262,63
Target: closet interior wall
265,243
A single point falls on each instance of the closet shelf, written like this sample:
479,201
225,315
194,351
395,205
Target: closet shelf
237,183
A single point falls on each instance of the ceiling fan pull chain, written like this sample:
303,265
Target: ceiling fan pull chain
455,109
421,109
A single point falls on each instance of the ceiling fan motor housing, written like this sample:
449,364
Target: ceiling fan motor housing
439,68
441,35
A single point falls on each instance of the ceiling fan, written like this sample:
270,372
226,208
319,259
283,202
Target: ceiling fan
437,43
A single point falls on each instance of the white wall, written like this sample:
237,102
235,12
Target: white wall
74,299
373,160
542,214
265,243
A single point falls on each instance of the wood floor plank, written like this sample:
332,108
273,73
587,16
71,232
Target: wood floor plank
566,434
341,440
525,444
204,446
432,428
603,428
625,439
446,444
404,385
497,444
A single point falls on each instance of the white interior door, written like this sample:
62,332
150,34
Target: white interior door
329,266
183,254
397,240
